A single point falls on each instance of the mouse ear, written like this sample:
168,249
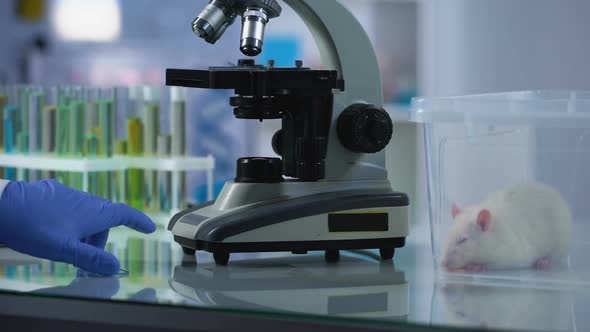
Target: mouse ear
484,219
456,211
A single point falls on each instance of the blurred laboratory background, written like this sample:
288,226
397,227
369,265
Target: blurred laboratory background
424,47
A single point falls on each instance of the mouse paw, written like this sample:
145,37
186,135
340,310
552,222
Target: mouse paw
474,268
543,264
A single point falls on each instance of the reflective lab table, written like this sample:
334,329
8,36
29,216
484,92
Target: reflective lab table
160,289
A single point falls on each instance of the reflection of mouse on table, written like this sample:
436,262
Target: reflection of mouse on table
510,308
523,226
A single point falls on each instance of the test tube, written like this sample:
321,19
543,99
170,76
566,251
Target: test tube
106,114
109,109
134,145
10,120
36,103
77,126
135,102
48,125
178,121
3,103
105,146
135,148
92,97
150,141
121,194
151,119
178,140
64,95
62,136
51,96
76,137
121,105
62,130
164,177
10,126
23,124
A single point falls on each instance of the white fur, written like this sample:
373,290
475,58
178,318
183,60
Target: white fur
530,221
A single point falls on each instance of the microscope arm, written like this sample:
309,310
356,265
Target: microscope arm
344,46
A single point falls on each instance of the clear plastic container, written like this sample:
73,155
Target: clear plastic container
483,144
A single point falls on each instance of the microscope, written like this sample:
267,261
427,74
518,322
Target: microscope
329,190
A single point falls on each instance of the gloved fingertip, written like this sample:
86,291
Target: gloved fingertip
109,267
136,220
145,224
151,227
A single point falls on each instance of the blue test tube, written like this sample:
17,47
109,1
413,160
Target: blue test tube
9,121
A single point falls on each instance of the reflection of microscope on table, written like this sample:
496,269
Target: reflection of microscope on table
360,288
329,191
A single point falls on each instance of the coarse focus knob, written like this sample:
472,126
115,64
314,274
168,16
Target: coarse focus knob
364,128
259,170
277,142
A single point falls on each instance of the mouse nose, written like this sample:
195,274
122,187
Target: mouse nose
445,264
452,260
449,263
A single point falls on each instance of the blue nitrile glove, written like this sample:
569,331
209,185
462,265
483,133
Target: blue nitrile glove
49,220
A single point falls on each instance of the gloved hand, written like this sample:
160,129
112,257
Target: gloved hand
49,220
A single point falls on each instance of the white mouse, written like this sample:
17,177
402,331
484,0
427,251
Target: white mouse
524,226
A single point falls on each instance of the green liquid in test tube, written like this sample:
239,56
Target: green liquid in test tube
135,149
77,126
106,136
62,134
90,151
76,138
48,125
3,102
178,133
10,119
164,177
22,133
92,134
121,150
23,126
151,130
36,104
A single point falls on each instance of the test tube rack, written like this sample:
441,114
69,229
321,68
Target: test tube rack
106,141
86,166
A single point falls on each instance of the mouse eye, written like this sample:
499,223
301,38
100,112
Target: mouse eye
462,240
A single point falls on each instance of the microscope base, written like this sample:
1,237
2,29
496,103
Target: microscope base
219,249
326,222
